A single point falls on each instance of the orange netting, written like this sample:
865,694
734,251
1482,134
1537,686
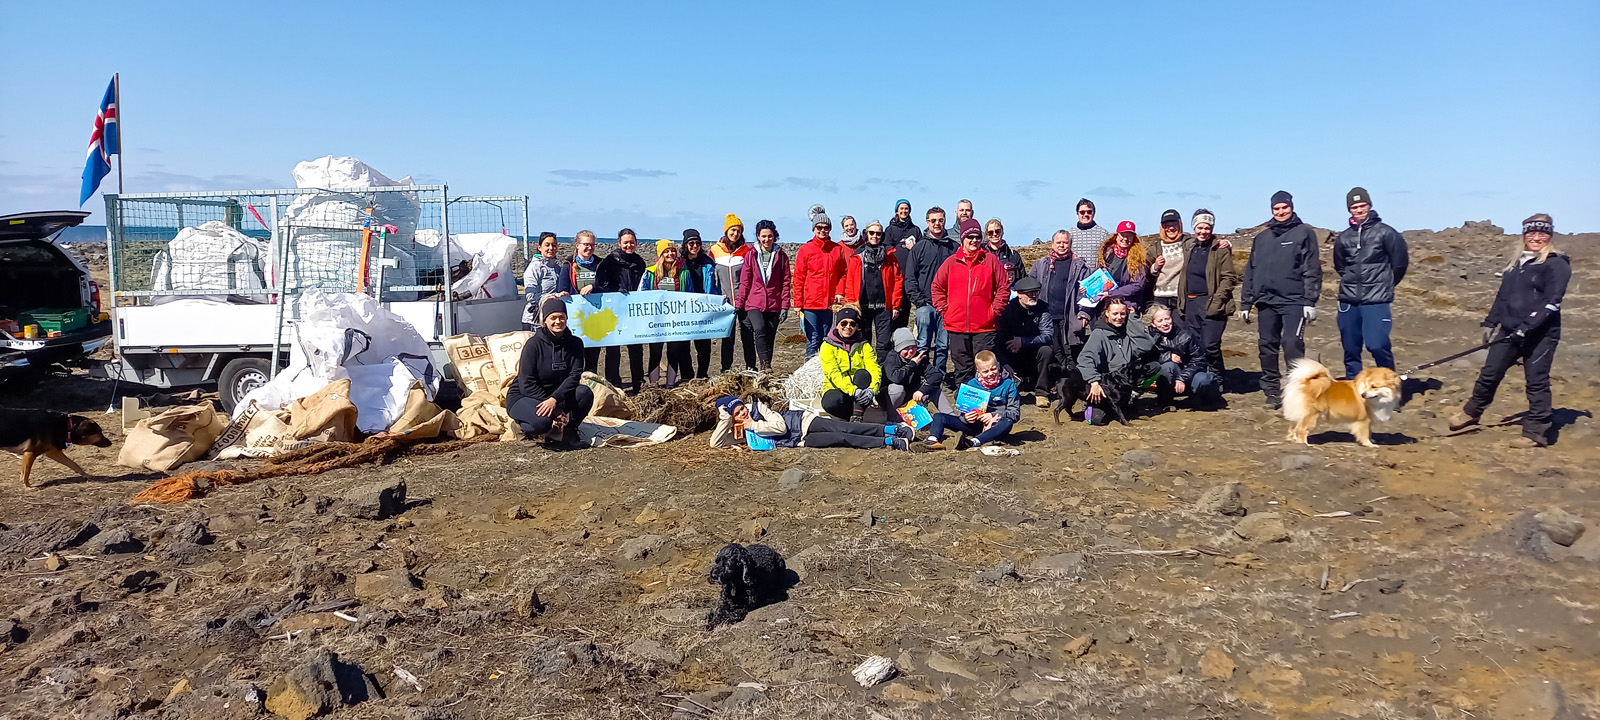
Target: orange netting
313,460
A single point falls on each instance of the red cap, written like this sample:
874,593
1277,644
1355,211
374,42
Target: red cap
1126,226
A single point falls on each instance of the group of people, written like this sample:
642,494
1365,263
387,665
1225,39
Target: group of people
899,313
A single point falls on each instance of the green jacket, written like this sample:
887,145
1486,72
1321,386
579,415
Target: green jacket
1221,278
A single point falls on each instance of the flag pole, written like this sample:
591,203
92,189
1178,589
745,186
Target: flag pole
116,79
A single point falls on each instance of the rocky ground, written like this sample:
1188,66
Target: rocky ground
1185,566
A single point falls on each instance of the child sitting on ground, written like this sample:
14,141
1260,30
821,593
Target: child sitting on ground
986,424
795,428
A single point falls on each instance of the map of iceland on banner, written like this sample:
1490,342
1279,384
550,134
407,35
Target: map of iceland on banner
647,316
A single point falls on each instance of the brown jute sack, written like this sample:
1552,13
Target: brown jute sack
327,411
172,437
471,363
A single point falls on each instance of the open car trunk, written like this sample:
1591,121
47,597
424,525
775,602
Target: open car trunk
34,273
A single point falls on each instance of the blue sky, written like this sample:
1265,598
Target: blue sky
662,116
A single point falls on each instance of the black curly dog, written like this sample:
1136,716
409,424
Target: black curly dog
751,577
1118,387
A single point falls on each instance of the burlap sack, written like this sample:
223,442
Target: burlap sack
608,400
506,349
254,434
172,437
482,413
423,420
328,411
471,363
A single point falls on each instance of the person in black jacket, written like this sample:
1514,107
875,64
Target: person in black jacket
1370,258
1524,324
907,375
931,251
1183,359
1282,281
1024,339
621,272
994,234
546,392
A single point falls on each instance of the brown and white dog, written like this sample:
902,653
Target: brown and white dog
31,433
1312,395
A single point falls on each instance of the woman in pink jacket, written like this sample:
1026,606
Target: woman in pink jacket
764,291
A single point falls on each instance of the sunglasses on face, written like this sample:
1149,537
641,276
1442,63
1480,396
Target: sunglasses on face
847,323
874,233
992,233
1085,212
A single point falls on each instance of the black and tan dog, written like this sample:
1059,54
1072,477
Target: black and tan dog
31,433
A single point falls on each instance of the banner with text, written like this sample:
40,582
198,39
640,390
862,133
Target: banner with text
647,316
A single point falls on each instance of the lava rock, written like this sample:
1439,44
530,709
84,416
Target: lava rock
1264,527
528,605
641,547
1142,458
789,480
1563,527
1225,499
319,685
1002,573
376,501
554,656
115,542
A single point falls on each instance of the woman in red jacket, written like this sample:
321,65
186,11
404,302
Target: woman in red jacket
763,291
969,291
872,280
818,280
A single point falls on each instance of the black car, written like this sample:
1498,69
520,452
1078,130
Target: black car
44,286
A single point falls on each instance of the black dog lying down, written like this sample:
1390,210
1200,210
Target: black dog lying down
1119,389
751,577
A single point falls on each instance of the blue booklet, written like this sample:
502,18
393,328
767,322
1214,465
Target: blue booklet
1098,283
757,442
916,415
970,397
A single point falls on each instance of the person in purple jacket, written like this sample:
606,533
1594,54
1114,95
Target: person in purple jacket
1124,258
763,292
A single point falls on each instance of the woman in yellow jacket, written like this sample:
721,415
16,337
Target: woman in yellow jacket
850,367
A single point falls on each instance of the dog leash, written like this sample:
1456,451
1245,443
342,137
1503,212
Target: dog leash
1443,360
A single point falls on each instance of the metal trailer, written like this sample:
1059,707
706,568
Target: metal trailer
195,314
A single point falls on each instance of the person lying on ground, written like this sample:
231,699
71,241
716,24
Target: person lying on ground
845,353
1182,358
986,424
908,376
1024,339
797,428
546,393
1115,361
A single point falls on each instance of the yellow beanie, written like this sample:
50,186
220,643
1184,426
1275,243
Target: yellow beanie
731,221
662,245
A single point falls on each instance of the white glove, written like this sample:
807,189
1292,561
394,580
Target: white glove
864,397
1311,313
1244,314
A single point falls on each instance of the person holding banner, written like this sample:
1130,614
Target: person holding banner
547,392
730,252
670,275
847,360
702,279
819,268
758,426
543,276
622,271
761,298
581,272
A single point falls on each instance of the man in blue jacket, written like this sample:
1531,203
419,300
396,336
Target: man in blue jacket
1371,259
1282,281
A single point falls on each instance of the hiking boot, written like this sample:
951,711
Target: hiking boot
900,443
1523,442
902,430
1462,421
1274,403
1042,401
931,444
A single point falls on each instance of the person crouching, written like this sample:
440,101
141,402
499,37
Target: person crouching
1182,357
986,424
850,367
546,393
797,428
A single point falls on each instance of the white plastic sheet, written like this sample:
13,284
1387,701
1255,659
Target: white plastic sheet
490,254
350,335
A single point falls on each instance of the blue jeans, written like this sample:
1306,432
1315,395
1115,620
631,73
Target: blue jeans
816,324
1202,385
1365,325
932,338
942,421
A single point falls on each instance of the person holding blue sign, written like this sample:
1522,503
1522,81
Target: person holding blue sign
1125,259
670,275
989,404
759,427
621,272
703,279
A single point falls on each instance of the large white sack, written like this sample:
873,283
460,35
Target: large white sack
379,393
213,256
325,229
491,275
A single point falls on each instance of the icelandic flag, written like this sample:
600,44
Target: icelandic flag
105,142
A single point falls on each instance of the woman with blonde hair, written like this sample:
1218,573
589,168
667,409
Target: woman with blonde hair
1524,324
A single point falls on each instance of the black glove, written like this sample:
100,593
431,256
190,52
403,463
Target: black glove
864,397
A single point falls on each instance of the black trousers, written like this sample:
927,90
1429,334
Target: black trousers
576,404
877,327
1537,352
964,347
827,432
702,355
763,329
591,359
1283,331
613,356
678,359
1170,303
1208,329
1031,366
742,329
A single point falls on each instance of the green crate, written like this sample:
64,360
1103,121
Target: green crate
56,320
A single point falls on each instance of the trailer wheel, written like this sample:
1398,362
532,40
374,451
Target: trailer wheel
239,377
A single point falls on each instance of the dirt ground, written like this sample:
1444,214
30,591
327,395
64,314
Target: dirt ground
1438,596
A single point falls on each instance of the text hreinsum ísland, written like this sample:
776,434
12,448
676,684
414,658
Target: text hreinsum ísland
673,307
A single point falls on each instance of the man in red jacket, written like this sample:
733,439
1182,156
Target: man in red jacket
819,268
969,292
